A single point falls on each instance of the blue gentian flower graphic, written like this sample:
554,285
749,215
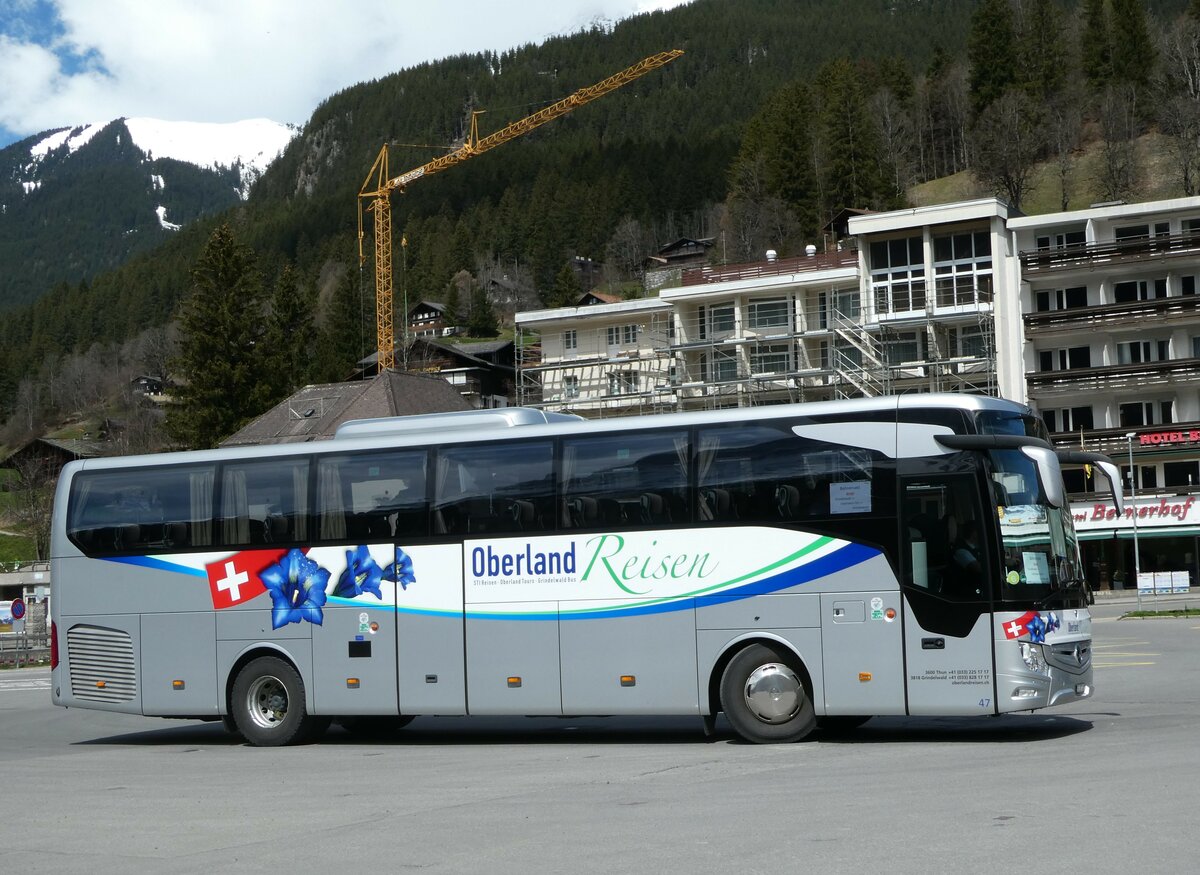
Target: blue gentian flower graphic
402,569
297,588
361,575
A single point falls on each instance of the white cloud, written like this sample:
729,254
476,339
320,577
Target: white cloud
226,60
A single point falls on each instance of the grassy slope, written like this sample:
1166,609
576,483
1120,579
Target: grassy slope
1157,179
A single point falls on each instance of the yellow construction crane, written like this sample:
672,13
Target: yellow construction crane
377,188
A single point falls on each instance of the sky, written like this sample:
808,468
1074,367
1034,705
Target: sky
71,62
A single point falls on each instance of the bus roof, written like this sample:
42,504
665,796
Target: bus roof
518,422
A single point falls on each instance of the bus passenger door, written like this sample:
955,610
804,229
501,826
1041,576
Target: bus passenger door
947,629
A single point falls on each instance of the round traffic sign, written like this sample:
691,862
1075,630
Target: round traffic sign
18,609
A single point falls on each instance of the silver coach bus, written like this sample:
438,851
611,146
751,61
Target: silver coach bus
787,566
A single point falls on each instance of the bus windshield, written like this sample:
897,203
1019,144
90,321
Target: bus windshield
1041,555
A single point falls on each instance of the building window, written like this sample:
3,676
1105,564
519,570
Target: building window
622,382
1196,347
768,314
723,366
972,342
721,319
771,358
903,347
1065,359
898,275
1138,351
1061,299
1139,290
622,335
1142,232
570,387
1061,240
1146,413
962,266
1068,419
570,340
1180,473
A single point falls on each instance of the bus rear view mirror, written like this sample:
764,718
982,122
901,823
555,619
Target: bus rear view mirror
1103,466
1049,474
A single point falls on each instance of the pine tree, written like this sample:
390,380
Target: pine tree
566,291
219,363
348,334
482,322
1042,50
991,53
289,340
1096,44
1133,54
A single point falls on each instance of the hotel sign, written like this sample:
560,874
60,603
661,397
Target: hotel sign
1158,438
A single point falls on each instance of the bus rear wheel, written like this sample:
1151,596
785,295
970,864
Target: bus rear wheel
268,704
764,698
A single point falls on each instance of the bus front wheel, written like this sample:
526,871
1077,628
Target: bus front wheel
764,698
268,704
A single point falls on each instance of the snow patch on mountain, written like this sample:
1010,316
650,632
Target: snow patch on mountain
162,219
72,138
251,144
248,145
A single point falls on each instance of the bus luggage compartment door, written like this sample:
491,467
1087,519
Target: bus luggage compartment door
862,646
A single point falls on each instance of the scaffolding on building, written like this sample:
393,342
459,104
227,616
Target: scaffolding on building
820,345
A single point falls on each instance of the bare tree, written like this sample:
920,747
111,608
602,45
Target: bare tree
1119,128
1006,146
34,499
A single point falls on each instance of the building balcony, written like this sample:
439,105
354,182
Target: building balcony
1091,255
1111,315
1148,439
699,276
1046,384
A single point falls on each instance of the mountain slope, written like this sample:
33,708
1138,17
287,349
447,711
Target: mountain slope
78,201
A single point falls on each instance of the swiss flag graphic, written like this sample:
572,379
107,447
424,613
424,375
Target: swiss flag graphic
1016,628
235,580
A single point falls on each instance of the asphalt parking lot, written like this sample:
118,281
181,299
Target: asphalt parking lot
1105,785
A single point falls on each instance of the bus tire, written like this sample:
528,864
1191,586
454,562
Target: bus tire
268,704
764,698
374,726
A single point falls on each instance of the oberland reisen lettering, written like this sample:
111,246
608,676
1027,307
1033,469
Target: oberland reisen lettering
488,563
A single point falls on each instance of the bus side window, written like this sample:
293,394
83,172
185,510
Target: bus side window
371,497
264,502
626,479
503,488
151,510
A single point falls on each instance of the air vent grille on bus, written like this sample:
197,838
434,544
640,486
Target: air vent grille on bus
101,663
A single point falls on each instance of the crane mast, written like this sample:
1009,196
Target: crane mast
375,194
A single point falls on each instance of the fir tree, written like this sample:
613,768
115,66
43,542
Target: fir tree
1096,44
991,53
1042,50
289,342
482,322
1133,54
566,291
219,361
348,334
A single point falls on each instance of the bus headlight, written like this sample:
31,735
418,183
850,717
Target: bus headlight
1032,655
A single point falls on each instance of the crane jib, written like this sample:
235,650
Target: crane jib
474,146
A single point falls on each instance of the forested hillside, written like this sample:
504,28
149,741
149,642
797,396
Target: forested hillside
781,113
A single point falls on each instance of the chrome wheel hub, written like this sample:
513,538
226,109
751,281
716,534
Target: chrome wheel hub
773,693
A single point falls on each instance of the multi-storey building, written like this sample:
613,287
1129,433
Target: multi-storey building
1112,361
1091,316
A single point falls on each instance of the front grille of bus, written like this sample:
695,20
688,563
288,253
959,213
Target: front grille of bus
1071,656
102,666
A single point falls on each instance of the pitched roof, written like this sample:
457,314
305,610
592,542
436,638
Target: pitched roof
314,412
589,298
